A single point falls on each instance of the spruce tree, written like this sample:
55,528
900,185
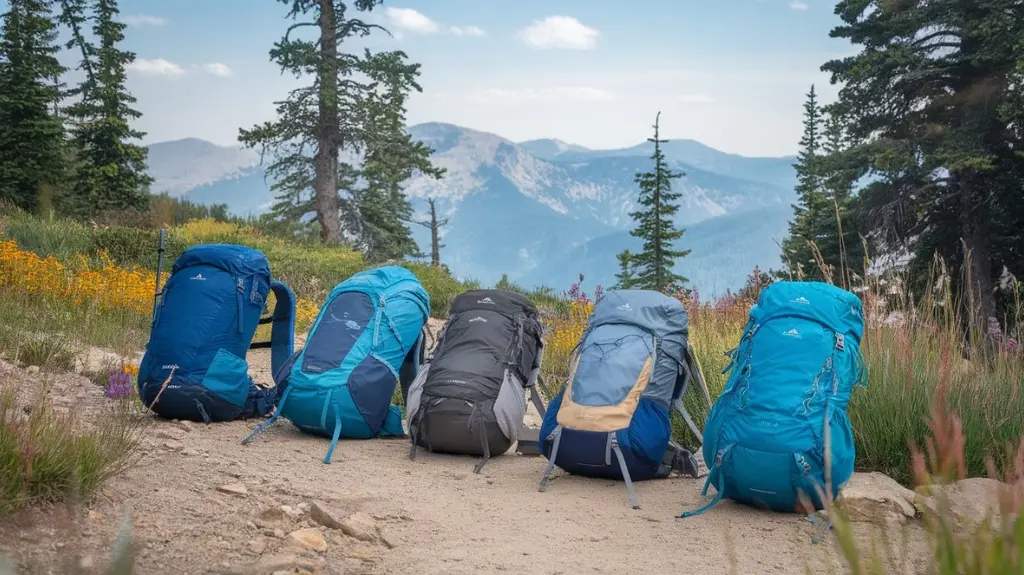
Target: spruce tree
926,96
809,210
31,131
110,171
653,266
353,105
391,158
625,279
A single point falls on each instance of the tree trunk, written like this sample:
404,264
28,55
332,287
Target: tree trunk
435,247
977,255
325,163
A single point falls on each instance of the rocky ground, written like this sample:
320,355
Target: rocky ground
203,503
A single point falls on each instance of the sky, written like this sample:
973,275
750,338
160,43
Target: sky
731,74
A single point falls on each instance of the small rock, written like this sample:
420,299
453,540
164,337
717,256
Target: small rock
279,533
291,511
186,426
318,512
86,562
175,434
303,506
389,540
286,563
32,369
234,489
361,526
174,445
308,539
274,513
876,498
257,546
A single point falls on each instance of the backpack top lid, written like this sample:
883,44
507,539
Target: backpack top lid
821,302
234,259
653,311
378,281
501,301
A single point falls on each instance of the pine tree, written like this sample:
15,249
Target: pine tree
353,105
391,158
653,266
31,131
925,97
625,279
810,206
111,170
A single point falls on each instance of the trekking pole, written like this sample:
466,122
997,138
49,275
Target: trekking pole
159,266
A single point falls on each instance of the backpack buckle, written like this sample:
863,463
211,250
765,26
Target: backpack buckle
840,342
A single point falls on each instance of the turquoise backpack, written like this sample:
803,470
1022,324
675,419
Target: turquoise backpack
793,372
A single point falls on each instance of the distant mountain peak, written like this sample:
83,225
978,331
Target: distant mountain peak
541,210
181,165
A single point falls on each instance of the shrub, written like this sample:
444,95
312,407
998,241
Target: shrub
47,457
51,352
986,549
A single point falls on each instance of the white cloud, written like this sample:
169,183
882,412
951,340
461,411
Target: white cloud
411,20
157,67
695,99
798,5
143,20
467,31
548,94
564,32
416,22
217,69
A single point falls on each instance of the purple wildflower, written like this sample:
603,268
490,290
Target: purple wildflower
119,385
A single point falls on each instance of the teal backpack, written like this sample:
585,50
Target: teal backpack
792,373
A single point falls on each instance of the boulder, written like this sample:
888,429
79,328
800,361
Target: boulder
969,501
876,498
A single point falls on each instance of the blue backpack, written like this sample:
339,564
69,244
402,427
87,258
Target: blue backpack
341,383
194,366
792,373
629,370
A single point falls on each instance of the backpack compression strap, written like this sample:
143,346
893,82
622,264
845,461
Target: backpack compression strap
678,458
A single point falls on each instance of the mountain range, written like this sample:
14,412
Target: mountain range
543,211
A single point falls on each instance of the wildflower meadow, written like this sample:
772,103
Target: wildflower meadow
72,286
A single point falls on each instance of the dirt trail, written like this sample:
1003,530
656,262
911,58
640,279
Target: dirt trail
204,503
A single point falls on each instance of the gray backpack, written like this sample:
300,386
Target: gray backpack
469,397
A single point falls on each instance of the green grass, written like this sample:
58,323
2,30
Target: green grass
51,457
311,270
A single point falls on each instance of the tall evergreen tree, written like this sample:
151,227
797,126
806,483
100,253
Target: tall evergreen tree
653,266
391,158
925,97
339,112
810,207
110,171
625,278
31,131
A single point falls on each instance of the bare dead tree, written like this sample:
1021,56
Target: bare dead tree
434,225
